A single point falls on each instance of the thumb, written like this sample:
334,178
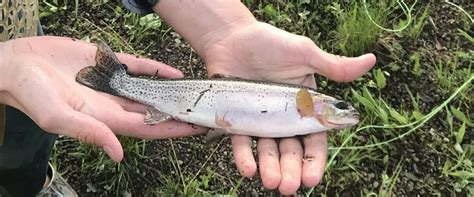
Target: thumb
87,129
340,68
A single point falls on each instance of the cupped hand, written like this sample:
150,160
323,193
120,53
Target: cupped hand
38,76
261,51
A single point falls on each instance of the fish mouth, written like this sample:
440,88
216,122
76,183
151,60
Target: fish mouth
348,120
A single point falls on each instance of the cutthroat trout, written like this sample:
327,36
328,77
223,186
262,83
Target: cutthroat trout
226,104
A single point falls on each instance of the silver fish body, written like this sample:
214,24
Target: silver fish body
238,106
249,108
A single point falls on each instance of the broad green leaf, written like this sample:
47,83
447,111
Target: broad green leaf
462,173
447,165
458,148
466,35
385,159
461,132
380,79
270,11
363,100
417,115
383,114
459,115
398,116
449,119
367,94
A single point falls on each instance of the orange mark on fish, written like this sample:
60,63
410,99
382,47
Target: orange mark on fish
304,103
222,122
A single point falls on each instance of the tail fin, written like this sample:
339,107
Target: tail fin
98,77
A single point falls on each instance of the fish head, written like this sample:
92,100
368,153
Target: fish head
335,113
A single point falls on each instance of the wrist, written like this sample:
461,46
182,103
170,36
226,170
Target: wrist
5,71
203,23
3,74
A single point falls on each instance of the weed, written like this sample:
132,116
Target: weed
458,164
388,182
406,10
355,31
451,72
415,58
466,35
141,27
413,31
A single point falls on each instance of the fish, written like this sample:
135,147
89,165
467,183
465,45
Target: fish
225,104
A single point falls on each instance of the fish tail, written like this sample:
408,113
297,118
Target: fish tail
107,69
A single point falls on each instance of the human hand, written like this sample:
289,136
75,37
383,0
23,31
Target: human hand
38,77
260,51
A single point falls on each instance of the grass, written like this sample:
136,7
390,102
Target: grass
356,32
415,137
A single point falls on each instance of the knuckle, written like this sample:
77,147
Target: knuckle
85,136
77,103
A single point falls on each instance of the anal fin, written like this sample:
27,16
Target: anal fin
154,116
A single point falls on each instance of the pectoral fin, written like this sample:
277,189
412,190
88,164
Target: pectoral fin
214,135
154,116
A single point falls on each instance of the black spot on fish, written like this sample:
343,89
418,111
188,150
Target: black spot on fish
189,110
264,111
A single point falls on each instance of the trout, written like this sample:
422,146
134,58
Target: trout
227,105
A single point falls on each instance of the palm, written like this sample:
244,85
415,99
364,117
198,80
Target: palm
263,52
44,88
276,56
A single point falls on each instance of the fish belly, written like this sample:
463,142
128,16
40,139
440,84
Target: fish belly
245,113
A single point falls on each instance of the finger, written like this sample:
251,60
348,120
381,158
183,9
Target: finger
144,66
87,129
339,68
314,162
291,164
127,104
269,162
132,124
242,151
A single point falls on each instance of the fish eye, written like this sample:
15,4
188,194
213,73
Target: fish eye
342,105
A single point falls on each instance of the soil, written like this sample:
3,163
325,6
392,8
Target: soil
421,173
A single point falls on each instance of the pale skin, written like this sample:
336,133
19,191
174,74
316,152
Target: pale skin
229,39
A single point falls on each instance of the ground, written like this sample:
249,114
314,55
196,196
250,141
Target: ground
418,69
